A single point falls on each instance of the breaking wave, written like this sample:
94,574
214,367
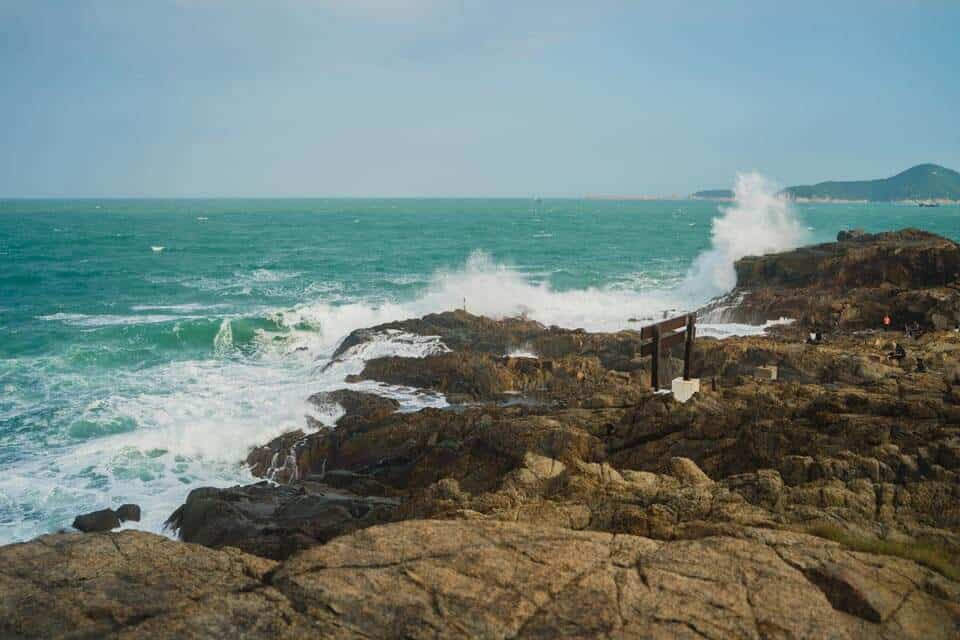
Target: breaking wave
758,222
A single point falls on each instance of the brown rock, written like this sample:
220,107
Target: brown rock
132,584
686,470
482,579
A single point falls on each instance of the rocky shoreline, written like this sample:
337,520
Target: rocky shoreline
559,496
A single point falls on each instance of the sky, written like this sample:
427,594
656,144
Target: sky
416,98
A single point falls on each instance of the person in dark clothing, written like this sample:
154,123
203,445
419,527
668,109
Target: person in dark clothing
912,330
921,367
898,353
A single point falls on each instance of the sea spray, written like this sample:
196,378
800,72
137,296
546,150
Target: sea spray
758,222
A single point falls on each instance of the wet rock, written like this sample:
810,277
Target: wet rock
128,513
103,520
273,521
356,403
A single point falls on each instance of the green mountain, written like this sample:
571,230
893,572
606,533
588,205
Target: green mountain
922,182
714,194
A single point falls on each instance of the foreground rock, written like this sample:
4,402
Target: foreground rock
465,579
137,585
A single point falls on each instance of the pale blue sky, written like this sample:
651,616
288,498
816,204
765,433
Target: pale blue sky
436,98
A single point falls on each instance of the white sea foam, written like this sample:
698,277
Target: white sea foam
190,307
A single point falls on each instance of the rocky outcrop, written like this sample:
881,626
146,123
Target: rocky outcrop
469,376
466,579
463,332
844,438
907,258
909,275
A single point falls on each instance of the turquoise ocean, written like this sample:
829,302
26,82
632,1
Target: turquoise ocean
146,345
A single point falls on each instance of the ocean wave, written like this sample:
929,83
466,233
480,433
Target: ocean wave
95,321
190,307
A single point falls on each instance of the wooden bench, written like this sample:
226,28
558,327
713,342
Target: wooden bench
665,335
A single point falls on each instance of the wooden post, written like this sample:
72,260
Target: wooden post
688,346
655,366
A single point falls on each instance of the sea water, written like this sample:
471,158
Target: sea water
146,345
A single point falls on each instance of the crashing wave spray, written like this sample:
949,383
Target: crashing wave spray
759,222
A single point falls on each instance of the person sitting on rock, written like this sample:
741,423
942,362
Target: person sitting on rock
912,330
898,353
921,367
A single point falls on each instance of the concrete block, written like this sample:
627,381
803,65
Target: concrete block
683,390
767,373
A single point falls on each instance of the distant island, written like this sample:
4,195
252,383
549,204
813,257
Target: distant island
924,182
713,194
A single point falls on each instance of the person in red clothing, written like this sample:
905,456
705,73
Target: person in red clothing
887,321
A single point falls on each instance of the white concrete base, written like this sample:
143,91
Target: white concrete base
769,372
683,390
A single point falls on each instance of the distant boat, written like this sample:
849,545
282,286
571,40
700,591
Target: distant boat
157,249
692,224
928,204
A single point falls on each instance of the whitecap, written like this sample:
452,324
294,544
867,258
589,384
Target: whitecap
83,320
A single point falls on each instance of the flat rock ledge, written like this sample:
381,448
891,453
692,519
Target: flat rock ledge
470,579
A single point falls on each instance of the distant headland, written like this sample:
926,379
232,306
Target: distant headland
713,194
925,184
